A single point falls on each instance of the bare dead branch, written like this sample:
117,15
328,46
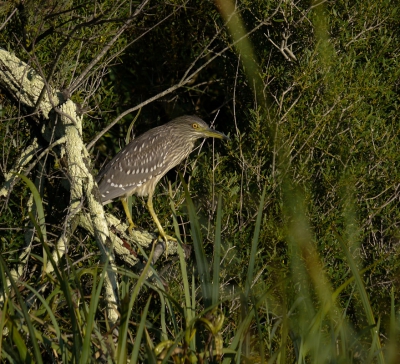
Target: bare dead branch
70,90
185,80
9,17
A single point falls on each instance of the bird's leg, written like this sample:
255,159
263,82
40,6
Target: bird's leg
161,231
128,214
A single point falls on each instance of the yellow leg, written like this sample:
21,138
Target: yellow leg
161,231
128,214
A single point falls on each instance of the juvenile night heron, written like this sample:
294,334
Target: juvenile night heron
138,167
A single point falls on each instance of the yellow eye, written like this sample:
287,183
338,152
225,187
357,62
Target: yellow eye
195,126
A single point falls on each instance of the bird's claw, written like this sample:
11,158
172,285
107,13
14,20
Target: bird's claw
130,228
166,238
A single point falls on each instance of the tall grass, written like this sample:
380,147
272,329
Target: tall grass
219,306
300,318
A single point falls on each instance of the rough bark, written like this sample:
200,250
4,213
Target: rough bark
61,125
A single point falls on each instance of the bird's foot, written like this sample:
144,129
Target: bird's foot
131,226
164,237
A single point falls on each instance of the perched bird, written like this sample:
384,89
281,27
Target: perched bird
138,167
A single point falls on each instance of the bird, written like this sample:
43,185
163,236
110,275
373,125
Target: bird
139,166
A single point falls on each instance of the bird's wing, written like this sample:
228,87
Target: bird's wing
140,161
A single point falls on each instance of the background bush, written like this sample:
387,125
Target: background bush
320,133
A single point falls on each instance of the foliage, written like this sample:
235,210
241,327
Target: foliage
294,222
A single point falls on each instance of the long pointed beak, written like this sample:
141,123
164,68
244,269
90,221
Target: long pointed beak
215,134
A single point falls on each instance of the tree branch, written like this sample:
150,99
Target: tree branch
70,90
24,84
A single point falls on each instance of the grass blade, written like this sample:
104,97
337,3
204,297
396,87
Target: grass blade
364,300
63,280
185,279
201,259
254,244
217,255
138,339
38,202
49,312
40,212
94,301
123,333
36,350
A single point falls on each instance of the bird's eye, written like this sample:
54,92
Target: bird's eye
195,126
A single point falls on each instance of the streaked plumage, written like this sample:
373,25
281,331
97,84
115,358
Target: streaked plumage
138,167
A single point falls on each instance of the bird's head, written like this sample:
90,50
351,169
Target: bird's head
195,128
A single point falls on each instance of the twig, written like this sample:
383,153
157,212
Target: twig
10,16
105,49
186,79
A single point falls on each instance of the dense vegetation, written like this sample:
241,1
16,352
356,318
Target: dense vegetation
298,213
